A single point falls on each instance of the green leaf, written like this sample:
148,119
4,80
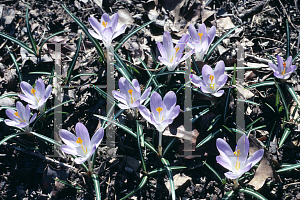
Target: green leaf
139,133
123,69
285,134
200,115
253,193
228,196
164,169
68,184
8,95
265,83
169,146
29,32
95,178
152,76
283,101
171,72
142,183
128,130
288,168
15,63
287,39
248,126
227,101
124,39
84,74
209,137
271,58
248,101
212,48
104,94
43,73
10,137
170,176
45,138
48,38
22,44
73,62
95,42
296,56
293,93
214,171
213,122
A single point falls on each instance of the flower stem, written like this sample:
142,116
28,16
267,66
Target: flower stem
236,184
160,144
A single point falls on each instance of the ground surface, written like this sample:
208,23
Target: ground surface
27,174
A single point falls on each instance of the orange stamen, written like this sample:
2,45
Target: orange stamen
104,24
79,141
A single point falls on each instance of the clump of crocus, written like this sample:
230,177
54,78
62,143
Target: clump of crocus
284,69
20,118
201,40
171,56
106,29
163,112
213,80
130,97
36,96
237,162
81,145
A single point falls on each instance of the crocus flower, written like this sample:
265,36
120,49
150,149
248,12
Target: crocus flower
21,117
80,145
105,30
37,96
130,97
201,40
212,81
171,56
237,162
163,111
284,69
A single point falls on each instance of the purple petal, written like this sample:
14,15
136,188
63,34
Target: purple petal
231,175
174,112
40,88
155,102
21,110
225,163
123,106
273,67
119,32
28,99
193,33
202,29
170,100
105,18
291,69
196,80
95,35
124,85
26,88
161,49
218,94
107,35
68,138
187,55
204,88
245,169
145,95
255,158
119,96
80,160
135,104
69,150
11,123
11,114
243,146
211,34
288,62
96,26
221,81
82,132
219,69
27,113
206,72
97,137
163,125
278,75
224,148
280,63
114,21
167,43
48,91
145,113
33,118
136,86
164,61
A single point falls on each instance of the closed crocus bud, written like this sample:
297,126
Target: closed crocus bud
237,162
163,112
36,96
213,80
20,118
284,69
130,97
106,29
80,144
201,39
172,56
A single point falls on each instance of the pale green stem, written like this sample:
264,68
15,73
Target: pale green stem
90,165
160,144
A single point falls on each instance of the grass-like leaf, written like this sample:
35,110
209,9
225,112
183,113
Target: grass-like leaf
142,183
139,133
249,125
33,44
16,64
214,171
287,39
213,122
22,44
293,93
200,115
288,168
285,134
248,101
68,184
283,101
228,196
265,83
10,137
170,176
84,74
169,146
212,48
48,38
96,181
8,95
253,193
209,137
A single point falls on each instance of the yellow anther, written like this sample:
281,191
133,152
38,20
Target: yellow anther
132,100
212,86
79,141
238,152
211,77
171,60
33,91
200,35
237,164
104,24
17,114
177,49
283,71
130,91
159,109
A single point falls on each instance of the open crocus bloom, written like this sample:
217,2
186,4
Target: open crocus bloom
201,40
130,97
237,162
21,117
37,96
80,145
105,30
284,69
171,56
163,111
212,81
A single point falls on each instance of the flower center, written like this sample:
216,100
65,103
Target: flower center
104,24
159,109
132,100
17,114
212,86
237,164
79,141
284,67
200,35
33,92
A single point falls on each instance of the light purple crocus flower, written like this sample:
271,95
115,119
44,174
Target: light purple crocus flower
201,40
80,145
284,69
130,97
213,80
105,30
37,96
20,118
171,56
163,112
237,162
